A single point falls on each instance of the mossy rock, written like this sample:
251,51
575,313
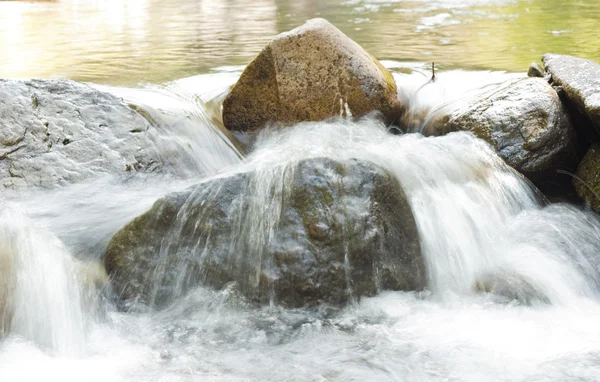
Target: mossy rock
587,183
309,74
316,231
535,70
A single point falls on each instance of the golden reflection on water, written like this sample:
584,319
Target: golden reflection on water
133,41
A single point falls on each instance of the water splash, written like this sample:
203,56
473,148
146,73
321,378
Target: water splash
426,98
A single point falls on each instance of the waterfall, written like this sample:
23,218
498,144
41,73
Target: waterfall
475,214
41,293
480,225
188,130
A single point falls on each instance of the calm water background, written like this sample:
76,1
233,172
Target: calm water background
130,42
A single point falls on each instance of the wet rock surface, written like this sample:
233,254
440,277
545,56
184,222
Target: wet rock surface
580,80
55,132
587,183
523,120
309,74
323,232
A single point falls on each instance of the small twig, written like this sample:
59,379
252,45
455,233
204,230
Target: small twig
574,176
432,79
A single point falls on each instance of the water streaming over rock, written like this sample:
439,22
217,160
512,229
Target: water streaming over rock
482,228
475,214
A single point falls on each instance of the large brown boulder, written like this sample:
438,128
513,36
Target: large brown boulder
317,231
525,122
309,74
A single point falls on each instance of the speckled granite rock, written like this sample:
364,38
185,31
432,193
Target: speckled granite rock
54,132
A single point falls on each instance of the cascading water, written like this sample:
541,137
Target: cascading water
185,124
42,292
477,219
475,215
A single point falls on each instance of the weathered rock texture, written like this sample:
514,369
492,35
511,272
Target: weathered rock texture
316,231
580,80
309,74
523,120
587,183
54,132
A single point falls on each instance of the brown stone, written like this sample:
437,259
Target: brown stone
309,74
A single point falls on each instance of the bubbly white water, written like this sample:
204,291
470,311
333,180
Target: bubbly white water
475,217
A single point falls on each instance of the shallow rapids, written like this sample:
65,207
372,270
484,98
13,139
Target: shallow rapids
475,215
477,220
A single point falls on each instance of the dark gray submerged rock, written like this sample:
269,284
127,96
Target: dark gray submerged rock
320,231
580,80
525,122
55,132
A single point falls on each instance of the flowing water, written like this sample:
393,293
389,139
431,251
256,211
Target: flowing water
476,217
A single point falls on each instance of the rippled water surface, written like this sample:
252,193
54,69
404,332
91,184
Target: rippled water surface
128,42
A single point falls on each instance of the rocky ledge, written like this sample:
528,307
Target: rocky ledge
59,132
55,132
578,82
